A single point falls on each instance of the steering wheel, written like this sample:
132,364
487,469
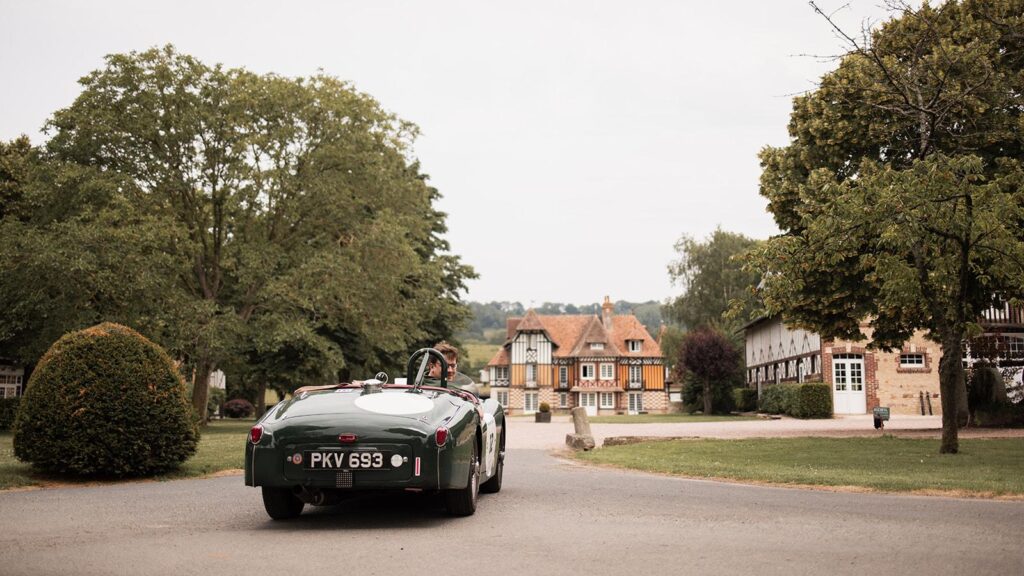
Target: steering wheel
417,376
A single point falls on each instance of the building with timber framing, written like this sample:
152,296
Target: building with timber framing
905,380
608,364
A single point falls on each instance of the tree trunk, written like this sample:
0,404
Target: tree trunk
201,389
261,399
953,389
707,398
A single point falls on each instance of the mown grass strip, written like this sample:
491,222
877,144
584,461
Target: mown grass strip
665,418
982,468
221,447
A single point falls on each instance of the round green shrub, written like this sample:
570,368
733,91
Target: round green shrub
105,401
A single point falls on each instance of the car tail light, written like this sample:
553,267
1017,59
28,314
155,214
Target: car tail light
255,434
347,438
441,436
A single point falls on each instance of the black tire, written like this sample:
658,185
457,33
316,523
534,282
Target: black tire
493,486
281,504
462,502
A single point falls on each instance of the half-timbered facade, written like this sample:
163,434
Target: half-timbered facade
607,364
905,380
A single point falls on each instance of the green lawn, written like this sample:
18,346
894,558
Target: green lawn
983,467
665,418
221,447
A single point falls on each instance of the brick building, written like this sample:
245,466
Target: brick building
905,380
607,364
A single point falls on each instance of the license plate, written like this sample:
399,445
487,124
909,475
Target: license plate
335,460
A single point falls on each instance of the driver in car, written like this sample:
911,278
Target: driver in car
456,379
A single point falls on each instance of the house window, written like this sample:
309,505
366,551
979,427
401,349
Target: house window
587,371
636,374
563,399
499,373
636,402
597,346
502,398
1015,345
635,345
607,400
531,373
607,371
563,375
911,360
530,402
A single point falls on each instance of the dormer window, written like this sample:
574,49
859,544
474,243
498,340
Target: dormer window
635,345
597,346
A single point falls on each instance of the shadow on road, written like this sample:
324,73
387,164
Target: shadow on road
387,511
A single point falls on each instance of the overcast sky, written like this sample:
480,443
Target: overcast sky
574,142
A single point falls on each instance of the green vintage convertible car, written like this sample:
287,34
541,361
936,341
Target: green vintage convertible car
325,444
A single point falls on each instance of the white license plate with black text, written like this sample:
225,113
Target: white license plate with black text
336,460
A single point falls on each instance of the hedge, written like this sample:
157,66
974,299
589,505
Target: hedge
745,399
238,408
8,409
807,400
105,401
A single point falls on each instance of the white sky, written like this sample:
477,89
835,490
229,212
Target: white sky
574,142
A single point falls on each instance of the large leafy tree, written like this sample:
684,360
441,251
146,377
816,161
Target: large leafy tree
901,194
708,358
296,229
716,288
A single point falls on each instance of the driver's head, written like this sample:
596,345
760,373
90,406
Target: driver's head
451,356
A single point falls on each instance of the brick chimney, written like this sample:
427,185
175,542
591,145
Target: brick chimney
606,313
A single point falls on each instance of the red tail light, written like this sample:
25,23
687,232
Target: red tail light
255,434
347,438
441,436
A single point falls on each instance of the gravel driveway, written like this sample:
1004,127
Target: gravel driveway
524,433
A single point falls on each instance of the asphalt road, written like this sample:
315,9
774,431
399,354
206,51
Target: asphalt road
551,517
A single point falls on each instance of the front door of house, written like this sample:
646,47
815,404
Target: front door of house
589,401
848,396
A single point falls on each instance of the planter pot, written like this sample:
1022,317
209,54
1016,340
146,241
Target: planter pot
542,417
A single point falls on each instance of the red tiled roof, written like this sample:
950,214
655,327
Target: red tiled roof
627,327
572,334
595,334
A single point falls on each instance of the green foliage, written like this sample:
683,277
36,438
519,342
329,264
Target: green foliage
215,398
277,227
806,400
714,281
1000,415
105,401
238,408
722,399
901,195
712,366
545,407
778,398
813,400
8,410
745,399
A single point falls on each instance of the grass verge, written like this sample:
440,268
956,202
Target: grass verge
221,447
987,468
665,418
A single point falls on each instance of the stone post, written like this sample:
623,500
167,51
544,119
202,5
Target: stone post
582,439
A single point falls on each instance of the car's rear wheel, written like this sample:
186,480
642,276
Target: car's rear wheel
493,485
462,502
281,503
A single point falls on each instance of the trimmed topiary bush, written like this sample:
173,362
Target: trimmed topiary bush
105,401
8,409
238,408
807,400
777,398
812,400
